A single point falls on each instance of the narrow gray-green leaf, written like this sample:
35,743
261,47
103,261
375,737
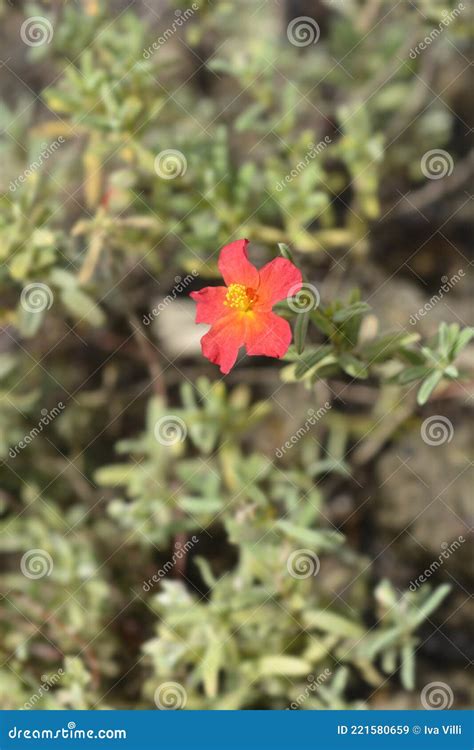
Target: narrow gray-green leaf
301,329
428,386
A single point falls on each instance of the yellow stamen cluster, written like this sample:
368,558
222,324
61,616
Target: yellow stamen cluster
239,297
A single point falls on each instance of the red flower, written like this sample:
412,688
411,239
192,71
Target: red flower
240,314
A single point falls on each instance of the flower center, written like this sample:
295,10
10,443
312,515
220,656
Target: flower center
239,297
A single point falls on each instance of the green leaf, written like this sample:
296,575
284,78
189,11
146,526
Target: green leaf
444,339
111,476
310,359
301,329
375,642
283,665
197,505
210,665
451,372
389,660
327,465
249,116
412,373
462,340
319,540
82,307
358,308
7,363
432,603
408,666
412,356
384,347
29,322
428,386
322,322
63,279
329,622
353,366
285,251
206,571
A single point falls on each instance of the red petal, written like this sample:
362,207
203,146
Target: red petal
222,343
278,279
210,304
267,335
235,266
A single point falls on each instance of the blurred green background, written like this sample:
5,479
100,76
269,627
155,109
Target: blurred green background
150,515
